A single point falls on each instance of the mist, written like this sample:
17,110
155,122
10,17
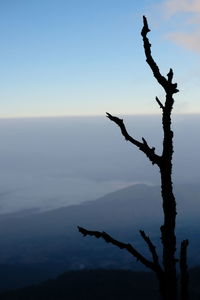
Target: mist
48,163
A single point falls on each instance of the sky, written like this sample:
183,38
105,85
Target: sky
75,57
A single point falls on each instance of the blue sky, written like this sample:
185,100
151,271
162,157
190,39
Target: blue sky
75,57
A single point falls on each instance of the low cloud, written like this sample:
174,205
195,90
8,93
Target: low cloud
188,41
176,6
186,14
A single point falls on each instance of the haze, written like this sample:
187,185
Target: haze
53,162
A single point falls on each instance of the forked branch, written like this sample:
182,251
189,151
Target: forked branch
106,237
165,83
151,247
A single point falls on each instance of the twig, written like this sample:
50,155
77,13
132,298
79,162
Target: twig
159,103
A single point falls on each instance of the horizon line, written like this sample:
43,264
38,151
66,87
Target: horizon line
92,116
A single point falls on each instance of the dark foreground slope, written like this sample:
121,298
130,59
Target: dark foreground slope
94,284
98,285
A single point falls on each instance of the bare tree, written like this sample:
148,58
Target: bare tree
166,271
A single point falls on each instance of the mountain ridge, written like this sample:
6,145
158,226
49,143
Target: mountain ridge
51,238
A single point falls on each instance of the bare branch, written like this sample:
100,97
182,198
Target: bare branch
184,276
166,84
143,146
159,103
106,237
152,248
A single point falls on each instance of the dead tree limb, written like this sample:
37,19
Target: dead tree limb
143,146
167,274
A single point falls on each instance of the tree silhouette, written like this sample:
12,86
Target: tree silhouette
166,271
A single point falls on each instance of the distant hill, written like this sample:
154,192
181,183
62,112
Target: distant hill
135,206
51,242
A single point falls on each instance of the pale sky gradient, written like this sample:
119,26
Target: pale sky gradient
75,57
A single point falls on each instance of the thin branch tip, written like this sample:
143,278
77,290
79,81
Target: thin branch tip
144,142
82,230
160,103
170,75
145,28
